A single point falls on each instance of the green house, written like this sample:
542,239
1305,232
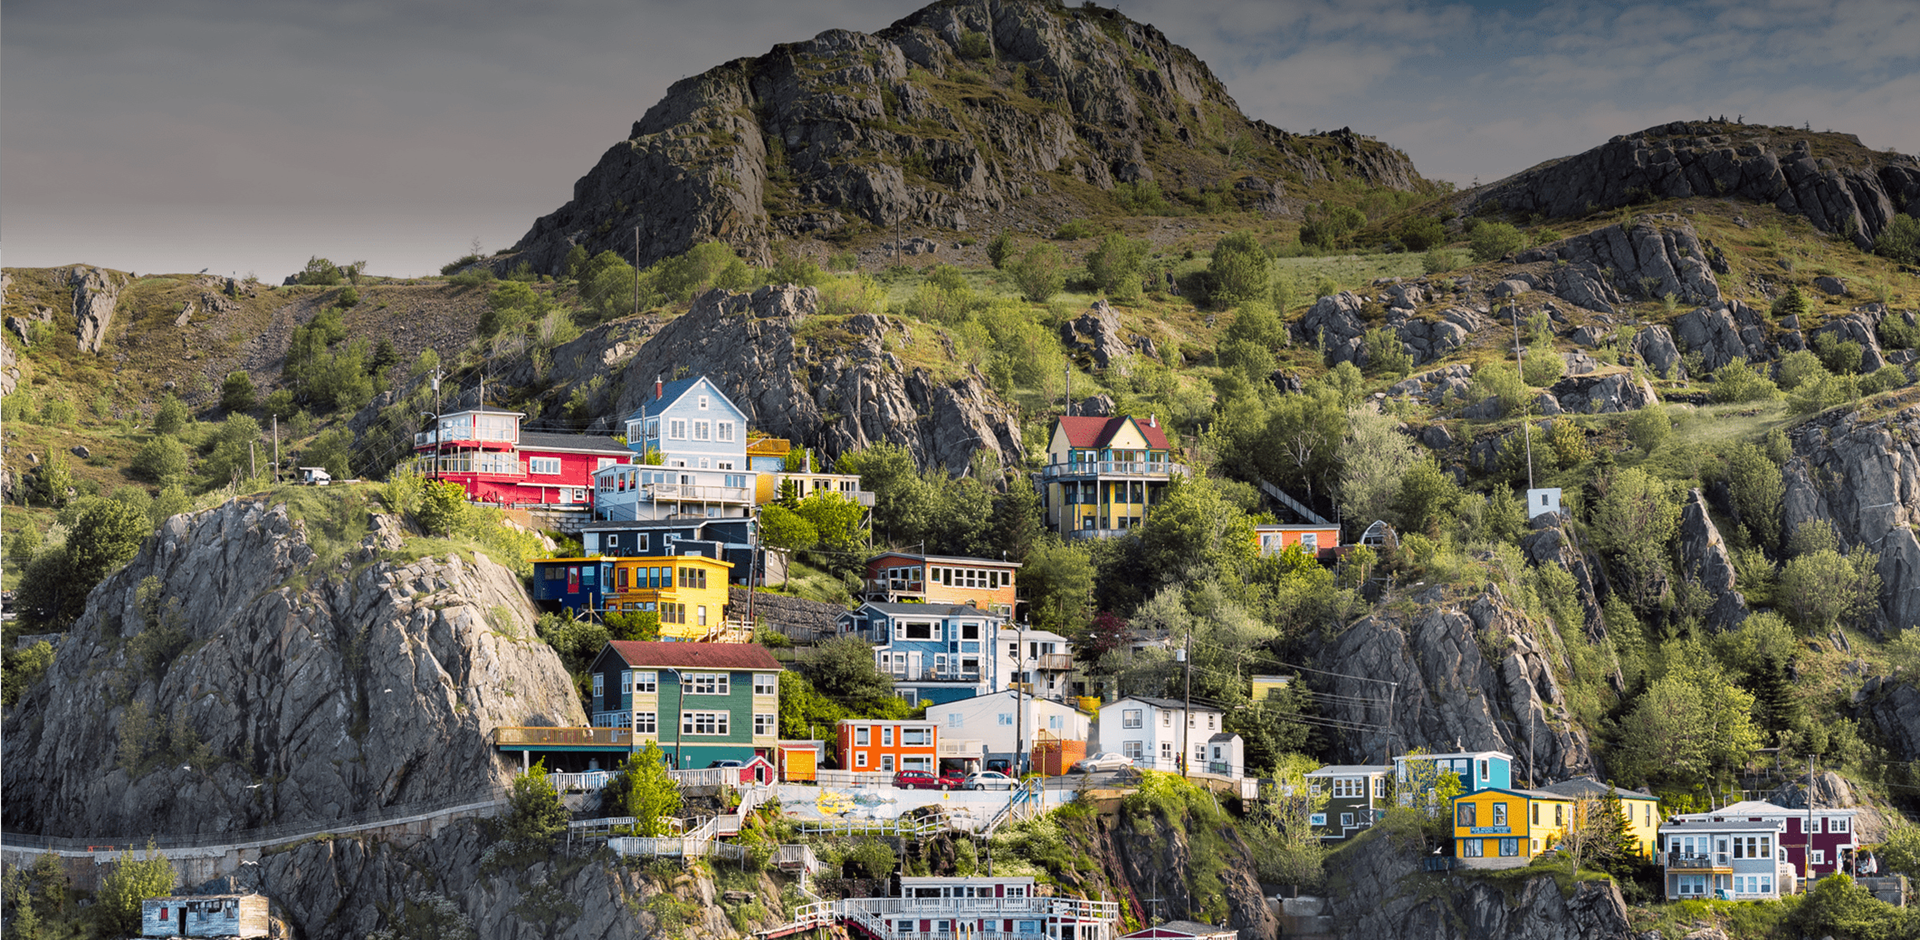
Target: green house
701,702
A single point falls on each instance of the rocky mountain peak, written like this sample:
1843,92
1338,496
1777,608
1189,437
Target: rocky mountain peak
967,115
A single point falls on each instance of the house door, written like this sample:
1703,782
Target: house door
914,661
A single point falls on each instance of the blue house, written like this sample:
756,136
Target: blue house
576,584
693,426
936,653
728,539
1415,774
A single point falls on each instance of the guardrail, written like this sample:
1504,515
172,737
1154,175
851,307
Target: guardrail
535,736
1140,468
481,803
581,782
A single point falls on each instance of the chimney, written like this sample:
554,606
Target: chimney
659,389
1153,420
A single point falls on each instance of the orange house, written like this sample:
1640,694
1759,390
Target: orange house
877,745
1317,539
982,583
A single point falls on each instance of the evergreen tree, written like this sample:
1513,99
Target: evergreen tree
1774,696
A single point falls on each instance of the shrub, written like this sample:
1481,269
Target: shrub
319,272
1142,197
975,45
348,298
999,249
1900,240
1439,260
1841,357
1239,270
1492,241
1886,378
1735,382
1386,353
1793,303
1649,427
1115,266
130,882
443,508
1798,368
236,392
1040,273
1543,366
854,293
536,816
1500,380
1329,228
161,460
1074,231
1422,232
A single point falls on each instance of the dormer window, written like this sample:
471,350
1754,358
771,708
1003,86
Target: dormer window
703,403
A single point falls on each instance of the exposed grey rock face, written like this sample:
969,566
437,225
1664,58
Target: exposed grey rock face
1893,707
850,129
1549,544
837,394
1470,670
321,685
1336,322
95,291
1379,901
1096,332
1681,159
1602,394
1723,331
1655,347
1653,256
1857,327
1864,480
1704,559
1830,285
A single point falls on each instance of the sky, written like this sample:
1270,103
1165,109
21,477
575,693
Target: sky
243,136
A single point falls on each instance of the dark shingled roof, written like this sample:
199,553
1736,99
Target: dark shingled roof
696,655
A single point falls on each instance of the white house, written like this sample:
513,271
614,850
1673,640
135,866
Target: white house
1035,660
1152,731
994,718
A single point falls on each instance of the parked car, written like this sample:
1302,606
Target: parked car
999,765
727,763
952,780
1099,762
989,780
916,780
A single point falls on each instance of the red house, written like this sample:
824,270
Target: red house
484,450
1830,832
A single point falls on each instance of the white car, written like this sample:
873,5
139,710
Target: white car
989,780
1099,762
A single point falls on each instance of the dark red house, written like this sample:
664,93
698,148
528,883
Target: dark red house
484,450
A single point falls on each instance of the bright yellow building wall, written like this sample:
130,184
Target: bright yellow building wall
1643,820
1534,839
714,596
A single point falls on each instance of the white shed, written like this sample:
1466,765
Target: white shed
207,915
1542,501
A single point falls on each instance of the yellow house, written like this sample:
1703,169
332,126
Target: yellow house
1103,474
1642,810
1503,828
689,592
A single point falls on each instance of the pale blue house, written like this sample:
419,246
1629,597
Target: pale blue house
692,424
1414,774
936,653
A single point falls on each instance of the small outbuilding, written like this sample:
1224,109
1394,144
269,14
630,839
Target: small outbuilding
207,915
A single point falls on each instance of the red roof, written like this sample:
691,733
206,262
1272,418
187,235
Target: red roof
695,655
1097,432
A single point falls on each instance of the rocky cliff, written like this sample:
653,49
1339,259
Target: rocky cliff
968,115
836,384
1386,894
1473,672
1862,475
281,666
1831,179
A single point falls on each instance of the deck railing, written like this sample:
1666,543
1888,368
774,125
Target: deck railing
535,737
1113,468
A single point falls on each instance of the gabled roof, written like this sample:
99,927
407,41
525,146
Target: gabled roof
1516,791
929,610
1085,431
1733,825
1764,808
1161,703
1457,754
672,392
695,655
1587,786
1350,770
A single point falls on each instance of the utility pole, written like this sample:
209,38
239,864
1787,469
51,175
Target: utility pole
1807,830
276,449
436,424
1526,421
1186,724
1392,687
636,269
253,467
1019,701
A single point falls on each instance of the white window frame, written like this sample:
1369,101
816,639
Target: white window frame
704,400
599,686
709,683
1133,750
677,429
646,682
717,723
543,465
861,735
626,681
859,759
646,722
765,725
766,683
723,432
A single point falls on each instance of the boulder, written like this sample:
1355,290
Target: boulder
1579,363
95,291
1723,331
1611,393
1704,560
1333,324
80,451
1892,706
1857,327
1097,332
1099,406
1827,284
1655,347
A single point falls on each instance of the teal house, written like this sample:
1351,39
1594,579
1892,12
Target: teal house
700,702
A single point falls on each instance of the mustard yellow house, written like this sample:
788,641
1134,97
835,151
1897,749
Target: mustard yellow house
689,592
1104,474
1642,810
1506,828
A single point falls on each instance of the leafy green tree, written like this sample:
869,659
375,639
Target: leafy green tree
901,504
1688,722
1374,457
1835,906
20,668
443,508
1633,521
786,531
130,882
172,417
232,451
1491,241
1386,354
171,502
1649,427
653,797
1792,303
1900,240
1428,495
161,460
1018,521
1542,365
844,670
1422,232
510,308
999,249
236,392
1757,488
1116,265
319,272
535,815
1736,382
333,449
1329,227
105,535
1899,852
1240,270
1058,578
703,267
1195,531
1822,588
22,545
1040,273
1798,368
629,626
804,711
836,521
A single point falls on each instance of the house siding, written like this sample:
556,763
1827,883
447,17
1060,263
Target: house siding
613,707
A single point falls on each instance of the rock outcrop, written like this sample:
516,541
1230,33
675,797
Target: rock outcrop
1473,672
1653,256
1097,333
1845,188
1602,394
1892,707
940,121
1704,561
1863,478
1387,895
840,390
1723,331
1337,324
1550,544
279,673
95,291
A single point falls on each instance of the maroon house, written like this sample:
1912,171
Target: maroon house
484,450
1832,834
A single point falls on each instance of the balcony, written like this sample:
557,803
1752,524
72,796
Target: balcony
562,737
696,493
1054,662
935,675
895,586
1710,862
486,439
1113,468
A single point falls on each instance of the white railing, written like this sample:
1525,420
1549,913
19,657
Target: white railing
581,782
1114,468
1023,802
692,492
709,777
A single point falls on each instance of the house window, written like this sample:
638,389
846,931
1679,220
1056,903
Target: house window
766,683
1346,820
953,720
1536,813
677,429
626,682
646,682
886,736
764,725
1559,815
1836,824
1499,814
708,683
917,631
860,736
1819,856
1166,752
702,430
646,722
1166,719
543,465
1006,719
701,613
599,685
859,758
915,737
1130,718
969,631
1464,815
1310,540
1379,788
1509,848
726,432
1484,771
1472,847
886,763
1132,750
707,723
1317,819
703,402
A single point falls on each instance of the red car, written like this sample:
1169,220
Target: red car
924,780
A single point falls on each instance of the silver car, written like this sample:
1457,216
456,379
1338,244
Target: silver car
1100,762
989,780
